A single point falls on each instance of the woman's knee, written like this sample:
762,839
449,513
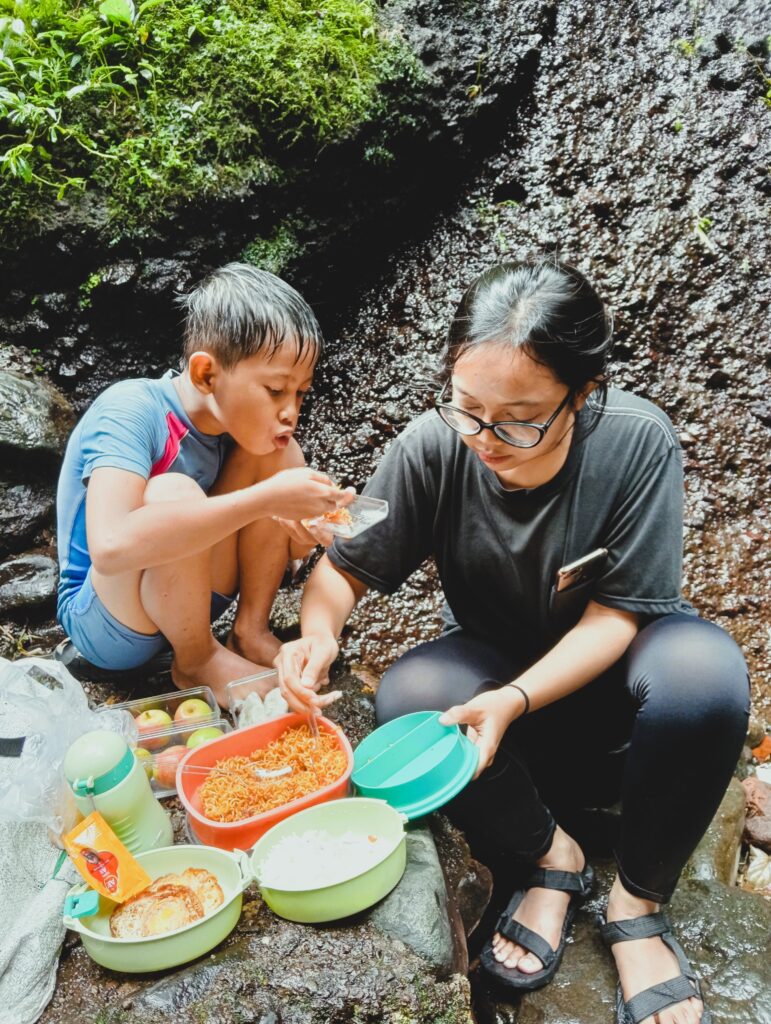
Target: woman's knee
682,662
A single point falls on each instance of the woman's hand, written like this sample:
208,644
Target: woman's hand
303,668
305,538
487,716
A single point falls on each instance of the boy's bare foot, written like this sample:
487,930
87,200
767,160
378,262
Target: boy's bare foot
258,646
542,910
645,962
216,669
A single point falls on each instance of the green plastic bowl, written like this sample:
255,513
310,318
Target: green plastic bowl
331,902
138,956
414,763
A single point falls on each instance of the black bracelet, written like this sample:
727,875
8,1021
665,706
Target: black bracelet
527,699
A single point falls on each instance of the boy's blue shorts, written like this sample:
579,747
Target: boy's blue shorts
107,643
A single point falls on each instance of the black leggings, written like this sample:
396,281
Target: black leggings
674,708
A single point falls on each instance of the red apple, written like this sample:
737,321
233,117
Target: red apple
165,771
149,722
203,736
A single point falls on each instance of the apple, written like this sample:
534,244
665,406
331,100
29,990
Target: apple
145,758
165,772
203,736
150,721
192,710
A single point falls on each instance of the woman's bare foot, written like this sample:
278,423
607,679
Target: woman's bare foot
645,962
216,669
542,910
259,646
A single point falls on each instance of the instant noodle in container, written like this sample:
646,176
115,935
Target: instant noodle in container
242,833
414,763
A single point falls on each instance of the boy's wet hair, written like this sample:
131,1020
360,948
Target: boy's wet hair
239,310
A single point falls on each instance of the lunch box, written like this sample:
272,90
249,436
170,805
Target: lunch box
244,834
235,871
138,956
414,763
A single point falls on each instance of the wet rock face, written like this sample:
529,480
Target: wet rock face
27,584
24,509
90,302
35,419
637,162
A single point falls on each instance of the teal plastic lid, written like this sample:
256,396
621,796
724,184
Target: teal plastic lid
414,763
96,762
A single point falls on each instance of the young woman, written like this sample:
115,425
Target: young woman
528,464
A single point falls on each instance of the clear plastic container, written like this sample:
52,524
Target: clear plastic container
169,703
245,704
160,751
355,518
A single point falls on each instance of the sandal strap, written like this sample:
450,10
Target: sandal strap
566,881
658,997
532,942
644,927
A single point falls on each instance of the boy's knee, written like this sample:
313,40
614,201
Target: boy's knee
172,487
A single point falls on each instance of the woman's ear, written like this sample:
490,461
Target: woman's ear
203,369
583,394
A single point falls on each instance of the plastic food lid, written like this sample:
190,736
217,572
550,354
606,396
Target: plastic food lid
414,763
97,761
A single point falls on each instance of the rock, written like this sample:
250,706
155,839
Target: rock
723,930
717,855
270,970
24,508
27,583
34,417
757,828
756,732
725,933
416,911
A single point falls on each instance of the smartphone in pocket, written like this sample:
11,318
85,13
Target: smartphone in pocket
582,570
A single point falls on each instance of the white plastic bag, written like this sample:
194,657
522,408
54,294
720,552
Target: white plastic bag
45,709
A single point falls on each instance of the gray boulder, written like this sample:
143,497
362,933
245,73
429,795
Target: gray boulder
34,418
27,583
24,509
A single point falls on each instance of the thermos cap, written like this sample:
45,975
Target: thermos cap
97,761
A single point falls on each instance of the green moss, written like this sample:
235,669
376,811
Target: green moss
275,253
166,102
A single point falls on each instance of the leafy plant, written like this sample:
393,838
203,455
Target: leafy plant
160,102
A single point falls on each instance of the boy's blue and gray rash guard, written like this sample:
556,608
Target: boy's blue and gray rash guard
497,550
136,425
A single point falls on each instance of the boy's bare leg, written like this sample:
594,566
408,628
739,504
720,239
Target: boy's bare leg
259,554
176,599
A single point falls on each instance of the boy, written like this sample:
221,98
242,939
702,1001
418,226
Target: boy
170,489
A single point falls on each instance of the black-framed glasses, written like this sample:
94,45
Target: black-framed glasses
518,433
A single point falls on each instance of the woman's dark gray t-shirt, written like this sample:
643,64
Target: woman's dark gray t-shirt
498,551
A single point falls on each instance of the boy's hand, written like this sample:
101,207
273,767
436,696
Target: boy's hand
301,494
303,667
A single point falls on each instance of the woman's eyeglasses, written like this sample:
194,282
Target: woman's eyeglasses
518,433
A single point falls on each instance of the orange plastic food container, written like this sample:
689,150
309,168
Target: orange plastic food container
242,835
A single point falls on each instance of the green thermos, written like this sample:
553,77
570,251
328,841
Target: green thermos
105,776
